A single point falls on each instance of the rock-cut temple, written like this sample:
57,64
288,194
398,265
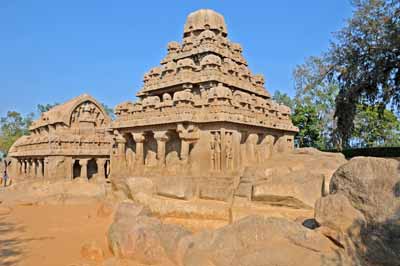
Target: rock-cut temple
201,116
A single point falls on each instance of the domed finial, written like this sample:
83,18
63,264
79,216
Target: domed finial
205,19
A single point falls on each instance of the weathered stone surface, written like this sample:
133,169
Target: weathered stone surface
259,241
362,213
139,184
295,180
166,207
92,251
299,190
129,211
145,239
176,187
336,212
371,184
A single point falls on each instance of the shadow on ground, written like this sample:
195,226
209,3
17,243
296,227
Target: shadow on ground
12,242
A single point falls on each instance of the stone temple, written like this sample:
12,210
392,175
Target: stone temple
68,141
200,118
201,115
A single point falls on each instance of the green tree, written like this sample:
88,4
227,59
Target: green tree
283,98
372,128
364,59
45,107
13,126
314,89
305,117
108,110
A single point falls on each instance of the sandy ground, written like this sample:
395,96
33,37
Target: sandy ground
50,235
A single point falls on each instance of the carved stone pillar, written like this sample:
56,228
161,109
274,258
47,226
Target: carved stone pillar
184,150
29,170
161,137
20,167
251,148
188,135
100,168
139,139
40,168
35,169
84,171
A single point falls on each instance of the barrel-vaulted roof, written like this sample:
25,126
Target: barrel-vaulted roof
62,113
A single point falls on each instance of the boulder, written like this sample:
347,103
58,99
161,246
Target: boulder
129,211
141,238
179,187
259,241
297,189
92,251
139,184
294,179
336,212
363,210
371,185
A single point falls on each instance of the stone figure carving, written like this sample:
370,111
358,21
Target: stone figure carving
183,96
215,146
151,101
210,61
173,47
229,151
207,37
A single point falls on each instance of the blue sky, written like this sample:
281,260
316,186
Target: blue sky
51,51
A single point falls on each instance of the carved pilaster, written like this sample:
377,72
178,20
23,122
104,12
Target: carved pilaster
101,168
84,171
139,139
161,137
188,135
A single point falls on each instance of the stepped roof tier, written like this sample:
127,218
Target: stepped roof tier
205,78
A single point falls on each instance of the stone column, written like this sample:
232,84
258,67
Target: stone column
24,167
29,170
40,168
100,168
35,168
184,150
19,167
46,168
251,148
84,173
161,138
139,139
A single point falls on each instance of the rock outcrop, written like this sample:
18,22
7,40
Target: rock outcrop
295,180
141,238
259,241
362,213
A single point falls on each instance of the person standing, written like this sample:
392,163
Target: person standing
5,178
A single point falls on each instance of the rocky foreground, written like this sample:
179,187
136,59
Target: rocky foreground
309,208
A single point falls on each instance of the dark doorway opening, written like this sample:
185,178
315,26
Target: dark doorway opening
76,169
92,168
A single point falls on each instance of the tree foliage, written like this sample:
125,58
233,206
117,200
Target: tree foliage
283,98
372,129
45,107
13,126
305,117
365,61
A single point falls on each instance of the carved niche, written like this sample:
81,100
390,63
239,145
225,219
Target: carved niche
86,117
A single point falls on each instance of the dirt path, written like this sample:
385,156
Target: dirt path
49,235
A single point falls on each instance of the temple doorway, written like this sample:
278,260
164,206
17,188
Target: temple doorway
91,168
76,169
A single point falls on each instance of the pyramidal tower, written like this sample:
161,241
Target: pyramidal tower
201,114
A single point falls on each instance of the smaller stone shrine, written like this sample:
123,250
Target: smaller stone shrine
68,141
